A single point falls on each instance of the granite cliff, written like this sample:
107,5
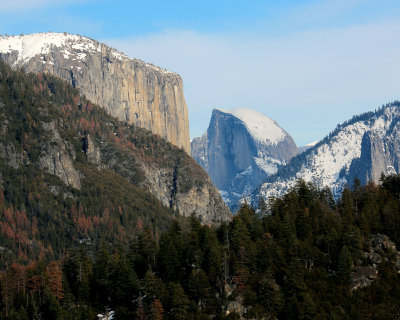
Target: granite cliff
240,149
129,89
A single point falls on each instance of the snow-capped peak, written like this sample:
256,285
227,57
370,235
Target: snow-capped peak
261,127
72,46
31,45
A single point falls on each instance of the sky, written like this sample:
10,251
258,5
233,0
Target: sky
309,65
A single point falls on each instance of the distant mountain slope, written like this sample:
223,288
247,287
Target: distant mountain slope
69,172
129,89
307,146
362,147
240,149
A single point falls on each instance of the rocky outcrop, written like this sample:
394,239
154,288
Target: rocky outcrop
202,199
199,148
373,161
240,149
57,157
92,151
8,153
129,89
381,248
170,175
58,162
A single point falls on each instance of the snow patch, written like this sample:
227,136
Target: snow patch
74,47
31,45
269,166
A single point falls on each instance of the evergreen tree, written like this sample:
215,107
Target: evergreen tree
178,301
156,310
345,264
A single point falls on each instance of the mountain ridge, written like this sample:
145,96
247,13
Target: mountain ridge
335,160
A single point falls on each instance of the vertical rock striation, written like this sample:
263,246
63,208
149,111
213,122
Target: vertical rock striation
241,148
129,89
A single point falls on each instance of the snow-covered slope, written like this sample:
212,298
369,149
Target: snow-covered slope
261,128
28,46
363,147
78,47
240,149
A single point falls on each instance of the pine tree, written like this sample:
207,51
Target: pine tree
156,310
55,280
199,287
152,285
262,208
345,264
179,302
347,208
140,312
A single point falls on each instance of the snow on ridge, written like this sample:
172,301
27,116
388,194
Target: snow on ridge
304,148
312,144
329,159
261,127
30,45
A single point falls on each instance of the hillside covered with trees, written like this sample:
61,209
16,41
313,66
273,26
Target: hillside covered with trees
300,258
70,173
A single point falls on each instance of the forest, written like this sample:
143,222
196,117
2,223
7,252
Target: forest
112,248
296,258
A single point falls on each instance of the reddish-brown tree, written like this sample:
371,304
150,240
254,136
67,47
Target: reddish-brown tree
54,279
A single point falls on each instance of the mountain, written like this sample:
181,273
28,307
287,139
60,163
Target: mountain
129,89
70,172
362,148
240,149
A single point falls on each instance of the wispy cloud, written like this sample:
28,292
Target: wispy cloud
307,81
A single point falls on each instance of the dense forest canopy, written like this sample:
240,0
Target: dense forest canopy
296,259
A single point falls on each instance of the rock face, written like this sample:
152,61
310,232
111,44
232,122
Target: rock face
91,150
240,149
362,147
364,275
129,89
57,157
174,190
373,160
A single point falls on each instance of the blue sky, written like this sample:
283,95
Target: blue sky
307,64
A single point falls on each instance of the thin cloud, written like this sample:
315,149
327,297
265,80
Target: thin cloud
307,81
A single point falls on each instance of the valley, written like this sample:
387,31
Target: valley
109,211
